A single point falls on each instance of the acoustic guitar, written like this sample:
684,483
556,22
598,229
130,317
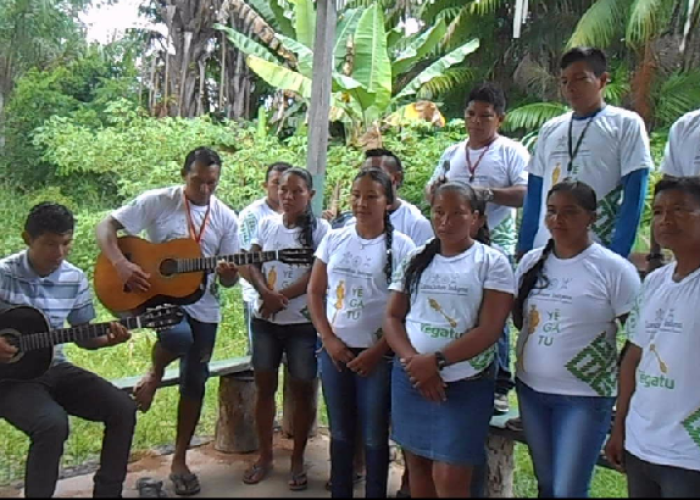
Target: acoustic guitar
178,271
27,329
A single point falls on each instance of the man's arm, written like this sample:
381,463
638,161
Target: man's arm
531,214
131,274
117,334
634,187
512,196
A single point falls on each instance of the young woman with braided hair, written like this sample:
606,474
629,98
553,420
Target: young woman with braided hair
281,323
571,294
449,303
347,296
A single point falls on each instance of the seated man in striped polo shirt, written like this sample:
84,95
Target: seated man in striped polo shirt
41,278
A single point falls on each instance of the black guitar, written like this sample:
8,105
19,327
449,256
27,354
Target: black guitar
27,329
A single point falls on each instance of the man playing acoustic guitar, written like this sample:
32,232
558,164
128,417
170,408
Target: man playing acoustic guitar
180,211
41,278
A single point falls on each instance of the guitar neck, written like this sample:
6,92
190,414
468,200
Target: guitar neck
208,264
57,336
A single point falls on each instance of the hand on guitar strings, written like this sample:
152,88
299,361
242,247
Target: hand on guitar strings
133,277
7,351
117,334
227,271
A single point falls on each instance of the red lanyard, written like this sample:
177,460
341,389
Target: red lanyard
472,169
190,223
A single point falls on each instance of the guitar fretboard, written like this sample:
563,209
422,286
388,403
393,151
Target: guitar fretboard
77,333
209,263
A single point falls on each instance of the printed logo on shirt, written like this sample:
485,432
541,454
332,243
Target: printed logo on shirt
595,365
650,381
608,208
272,278
533,321
352,302
435,332
444,283
556,290
435,305
339,299
354,265
483,360
692,425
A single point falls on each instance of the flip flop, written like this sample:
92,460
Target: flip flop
298,481
150,488
256,471
185,484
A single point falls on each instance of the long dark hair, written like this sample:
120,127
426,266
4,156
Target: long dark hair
689,185
306,220
586,198
421,260
484,234
379,176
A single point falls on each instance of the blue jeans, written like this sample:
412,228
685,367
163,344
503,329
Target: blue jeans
193,342
565,435
352,400
648,480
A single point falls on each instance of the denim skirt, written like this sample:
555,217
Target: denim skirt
453,431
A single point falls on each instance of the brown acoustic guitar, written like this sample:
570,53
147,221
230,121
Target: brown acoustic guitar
178,271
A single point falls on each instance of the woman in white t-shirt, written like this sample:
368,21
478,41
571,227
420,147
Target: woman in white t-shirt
281,322
449,303
571,294
348,292
656,436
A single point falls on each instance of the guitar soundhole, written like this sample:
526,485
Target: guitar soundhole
168,267
12,338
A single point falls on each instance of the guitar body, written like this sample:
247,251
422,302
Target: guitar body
15,322
153,258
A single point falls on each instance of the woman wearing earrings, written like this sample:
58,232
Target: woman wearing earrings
281,322
354,264
449,303
571,294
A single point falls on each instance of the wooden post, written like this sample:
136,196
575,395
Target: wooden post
235,427
288,407
500,467
326,16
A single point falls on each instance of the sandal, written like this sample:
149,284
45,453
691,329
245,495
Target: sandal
298,481
150,488
256,473
185,484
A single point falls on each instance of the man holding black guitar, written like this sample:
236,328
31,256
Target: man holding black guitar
184,211
39,406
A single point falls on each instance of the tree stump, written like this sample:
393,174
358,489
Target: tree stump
500,467
288,407
235,427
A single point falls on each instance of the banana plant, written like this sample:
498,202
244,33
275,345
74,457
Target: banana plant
370,61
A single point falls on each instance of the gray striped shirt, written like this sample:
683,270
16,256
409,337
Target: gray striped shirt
63,295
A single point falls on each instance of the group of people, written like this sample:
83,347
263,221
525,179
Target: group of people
406,319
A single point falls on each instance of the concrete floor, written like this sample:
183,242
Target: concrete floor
220,474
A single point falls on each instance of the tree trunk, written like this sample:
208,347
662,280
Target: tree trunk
235,428
500,465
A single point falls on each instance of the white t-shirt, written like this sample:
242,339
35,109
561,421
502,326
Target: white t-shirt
357,285
502,166
568,342
615,145
162,213
448,300
409,220
682,155
663,423
249,220
273,235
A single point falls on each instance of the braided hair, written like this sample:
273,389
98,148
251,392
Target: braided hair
483,236
421,260
585,198
306,220
381,177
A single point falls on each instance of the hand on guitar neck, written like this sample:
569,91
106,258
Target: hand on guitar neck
133,277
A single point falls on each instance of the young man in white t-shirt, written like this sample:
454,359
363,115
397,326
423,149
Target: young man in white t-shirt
656,435
602,145
189,210
496,166
249,221
681,159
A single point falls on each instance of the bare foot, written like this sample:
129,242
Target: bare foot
145,390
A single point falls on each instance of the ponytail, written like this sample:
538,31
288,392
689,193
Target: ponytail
307,222
389,233
529,282
420,263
